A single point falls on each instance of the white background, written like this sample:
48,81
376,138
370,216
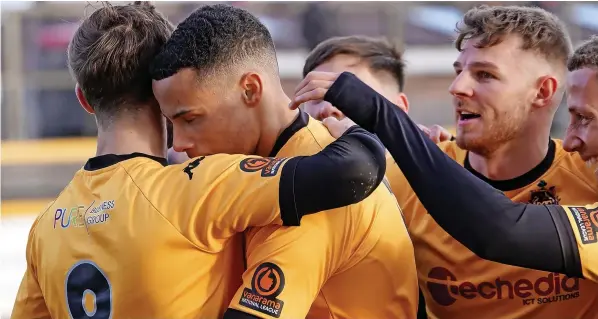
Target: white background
13,240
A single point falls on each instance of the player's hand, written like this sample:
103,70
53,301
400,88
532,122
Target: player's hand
313,87
336,127
436,133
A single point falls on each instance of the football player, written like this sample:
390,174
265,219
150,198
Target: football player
217,80
554,238
377,62
129,236
503,114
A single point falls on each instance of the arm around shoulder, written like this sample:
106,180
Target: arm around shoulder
216,196
345,172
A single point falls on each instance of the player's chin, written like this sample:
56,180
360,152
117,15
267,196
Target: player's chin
468,134
470,141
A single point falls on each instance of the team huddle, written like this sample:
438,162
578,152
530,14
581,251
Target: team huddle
332,204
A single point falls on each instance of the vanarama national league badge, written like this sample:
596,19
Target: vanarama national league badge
267,283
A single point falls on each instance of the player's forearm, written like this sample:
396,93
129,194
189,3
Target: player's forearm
473,212
343,173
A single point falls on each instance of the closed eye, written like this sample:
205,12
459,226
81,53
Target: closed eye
484,75
580,119
584,120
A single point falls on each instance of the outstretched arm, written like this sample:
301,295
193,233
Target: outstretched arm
477,215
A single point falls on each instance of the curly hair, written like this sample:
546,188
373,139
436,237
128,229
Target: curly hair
585,56
110,53
540,30
379,53
212,38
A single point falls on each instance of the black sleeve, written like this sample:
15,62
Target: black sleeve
236,314
473,212
343,173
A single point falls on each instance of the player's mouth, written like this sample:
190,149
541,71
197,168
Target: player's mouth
466,117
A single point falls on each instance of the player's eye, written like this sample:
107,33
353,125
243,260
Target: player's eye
484,75
189,120
580,119
457,71
584,120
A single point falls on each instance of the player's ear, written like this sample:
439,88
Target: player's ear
400,99
252,86
403,102
547,88
82,100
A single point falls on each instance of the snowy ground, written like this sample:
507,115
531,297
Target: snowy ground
13,239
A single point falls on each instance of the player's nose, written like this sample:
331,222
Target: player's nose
181,144
461,86
572,143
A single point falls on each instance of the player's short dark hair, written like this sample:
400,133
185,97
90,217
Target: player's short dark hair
379,53
586,56
110,53
540,30
212,38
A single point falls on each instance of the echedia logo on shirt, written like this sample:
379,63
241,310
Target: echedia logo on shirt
446,289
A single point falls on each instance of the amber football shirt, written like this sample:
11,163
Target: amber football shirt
457,284
132,238
351,262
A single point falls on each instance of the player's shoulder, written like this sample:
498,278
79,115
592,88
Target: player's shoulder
43,215
378,216
562,158
151,171
573,164
361,222
453,150
318,132
194,176
50,215
399,184
381,201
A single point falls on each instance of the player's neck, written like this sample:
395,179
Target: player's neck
513,159
274,123
143,136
